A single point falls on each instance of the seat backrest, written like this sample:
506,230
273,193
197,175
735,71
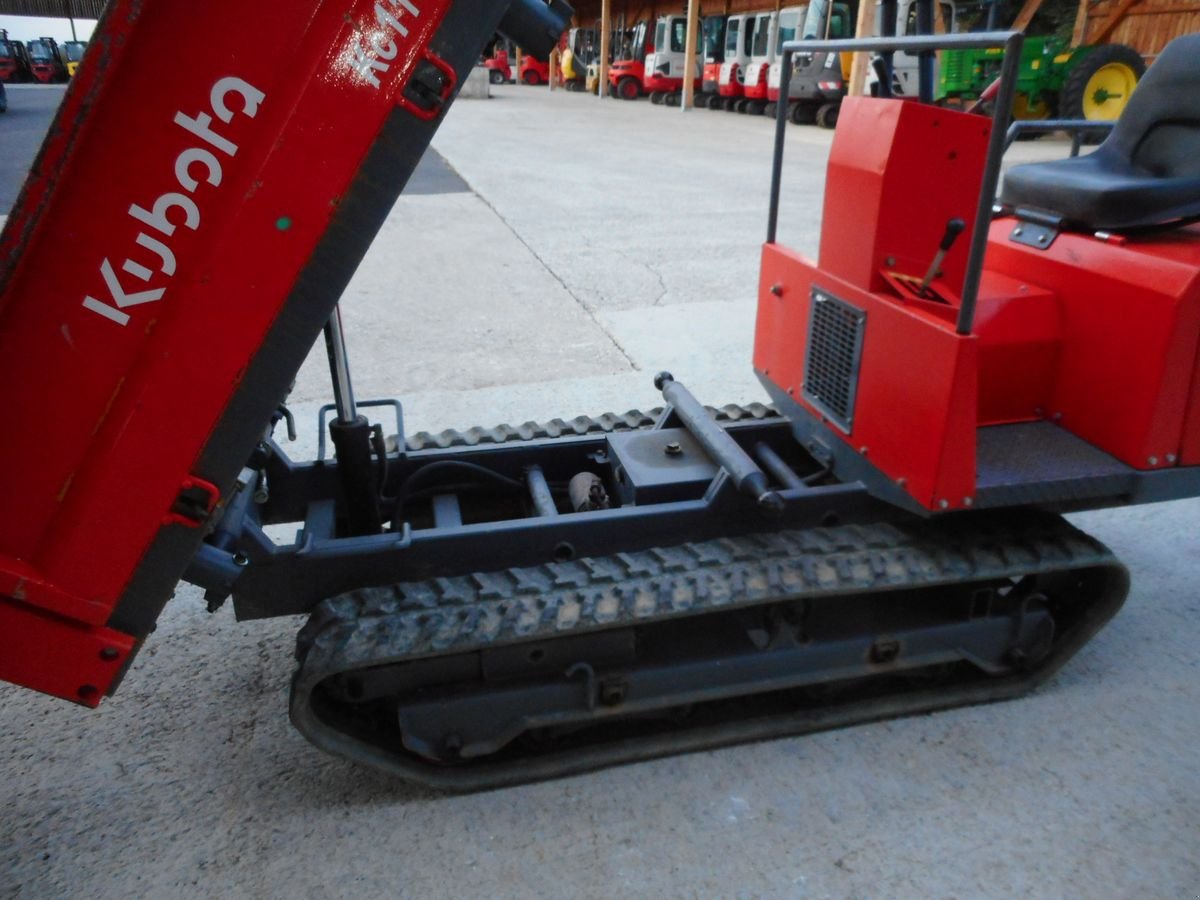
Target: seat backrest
1159,131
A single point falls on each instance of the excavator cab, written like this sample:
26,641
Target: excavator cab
713,58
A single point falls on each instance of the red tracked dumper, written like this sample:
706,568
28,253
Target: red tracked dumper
500,605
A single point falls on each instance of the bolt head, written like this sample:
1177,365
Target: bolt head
1153,460
673,449
1171,457
968,501
943,504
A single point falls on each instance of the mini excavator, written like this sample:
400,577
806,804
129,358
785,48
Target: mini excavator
950,375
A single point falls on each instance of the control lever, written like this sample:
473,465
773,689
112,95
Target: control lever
954,228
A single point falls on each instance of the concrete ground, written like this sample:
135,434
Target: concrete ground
597,243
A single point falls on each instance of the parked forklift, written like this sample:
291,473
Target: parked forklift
739,41
533,71
14,60
497,61
72,55
626,76
581,50
493,606
46,61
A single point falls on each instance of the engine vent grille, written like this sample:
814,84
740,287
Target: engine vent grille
835,337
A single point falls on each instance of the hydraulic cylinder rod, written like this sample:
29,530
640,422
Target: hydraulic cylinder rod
749,478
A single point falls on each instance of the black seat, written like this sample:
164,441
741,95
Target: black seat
1147,172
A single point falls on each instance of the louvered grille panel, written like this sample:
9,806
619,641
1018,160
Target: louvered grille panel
835,335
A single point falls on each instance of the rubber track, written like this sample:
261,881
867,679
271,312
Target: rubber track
380,626
375,626
577,427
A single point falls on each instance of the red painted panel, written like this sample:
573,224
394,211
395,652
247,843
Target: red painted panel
1189,450
1130,332
158,237
57,656
898,172
914,417
1019,326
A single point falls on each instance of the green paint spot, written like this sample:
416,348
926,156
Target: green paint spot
283,223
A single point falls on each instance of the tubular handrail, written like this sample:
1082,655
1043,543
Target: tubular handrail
1010,42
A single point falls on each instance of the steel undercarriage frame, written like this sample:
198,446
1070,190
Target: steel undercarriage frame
269,579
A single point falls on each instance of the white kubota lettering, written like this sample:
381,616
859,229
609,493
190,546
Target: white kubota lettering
381,47
172,209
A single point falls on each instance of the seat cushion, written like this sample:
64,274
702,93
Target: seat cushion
1102,192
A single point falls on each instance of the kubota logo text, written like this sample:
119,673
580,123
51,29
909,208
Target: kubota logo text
381,46
174,208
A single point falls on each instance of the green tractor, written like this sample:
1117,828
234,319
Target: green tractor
1055,79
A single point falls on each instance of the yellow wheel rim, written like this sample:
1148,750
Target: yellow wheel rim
1108,91
1024,109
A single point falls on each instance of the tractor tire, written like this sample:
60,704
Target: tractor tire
495,76
1098,86
531,78
827,114
671,99
770,109
657,97
803,114
628,88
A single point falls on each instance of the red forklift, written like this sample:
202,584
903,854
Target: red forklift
46,62
739,40
14,60
952,373
627,74
497,62
533,71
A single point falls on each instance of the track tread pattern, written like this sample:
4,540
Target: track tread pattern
579,426
374,626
